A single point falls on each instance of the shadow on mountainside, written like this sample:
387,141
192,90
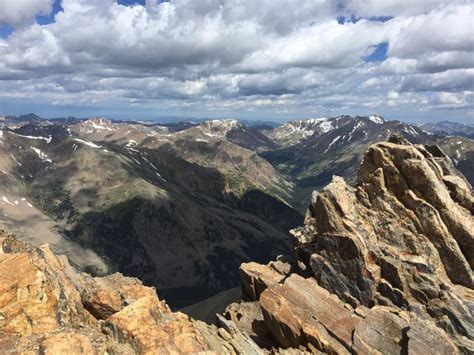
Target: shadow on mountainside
193,240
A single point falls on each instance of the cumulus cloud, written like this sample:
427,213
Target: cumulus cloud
374,8
451,80
447,28
20,12
269,56
329,44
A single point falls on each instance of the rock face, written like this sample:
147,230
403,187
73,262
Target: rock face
47,307
299,313
384,266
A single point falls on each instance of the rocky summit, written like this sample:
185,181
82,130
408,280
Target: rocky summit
381,266
384,266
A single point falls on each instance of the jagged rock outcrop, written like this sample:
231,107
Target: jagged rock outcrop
382,266
47,307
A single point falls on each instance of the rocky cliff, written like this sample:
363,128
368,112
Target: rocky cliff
384,266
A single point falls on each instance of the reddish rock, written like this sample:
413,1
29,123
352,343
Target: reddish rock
256,278
299,311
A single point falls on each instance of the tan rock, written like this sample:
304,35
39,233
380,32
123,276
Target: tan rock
151,327
256,278
381,332
49,308
40,298
67,343
389,262
107,295
240,341
248,317
389,331
403,236
299,311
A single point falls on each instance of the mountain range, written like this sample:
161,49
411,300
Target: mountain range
180,205
448,128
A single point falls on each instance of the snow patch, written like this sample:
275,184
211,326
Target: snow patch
331,144
46,139
90,144
16,161
5,199
410,130
42,155
131,143
376,119
301,129
326,126
99,127
353,130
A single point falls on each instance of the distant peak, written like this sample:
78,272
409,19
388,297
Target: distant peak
97,124
218,128
221,124
30,115
100,119
223,120
377,119
312,120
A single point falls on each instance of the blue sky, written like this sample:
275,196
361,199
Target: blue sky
412,61
42,19
46,19
379,54
131,2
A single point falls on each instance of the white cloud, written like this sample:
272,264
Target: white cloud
451,80
447,28
20,12
450,98
233,54
374,8
327,45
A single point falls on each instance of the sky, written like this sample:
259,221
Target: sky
411,60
